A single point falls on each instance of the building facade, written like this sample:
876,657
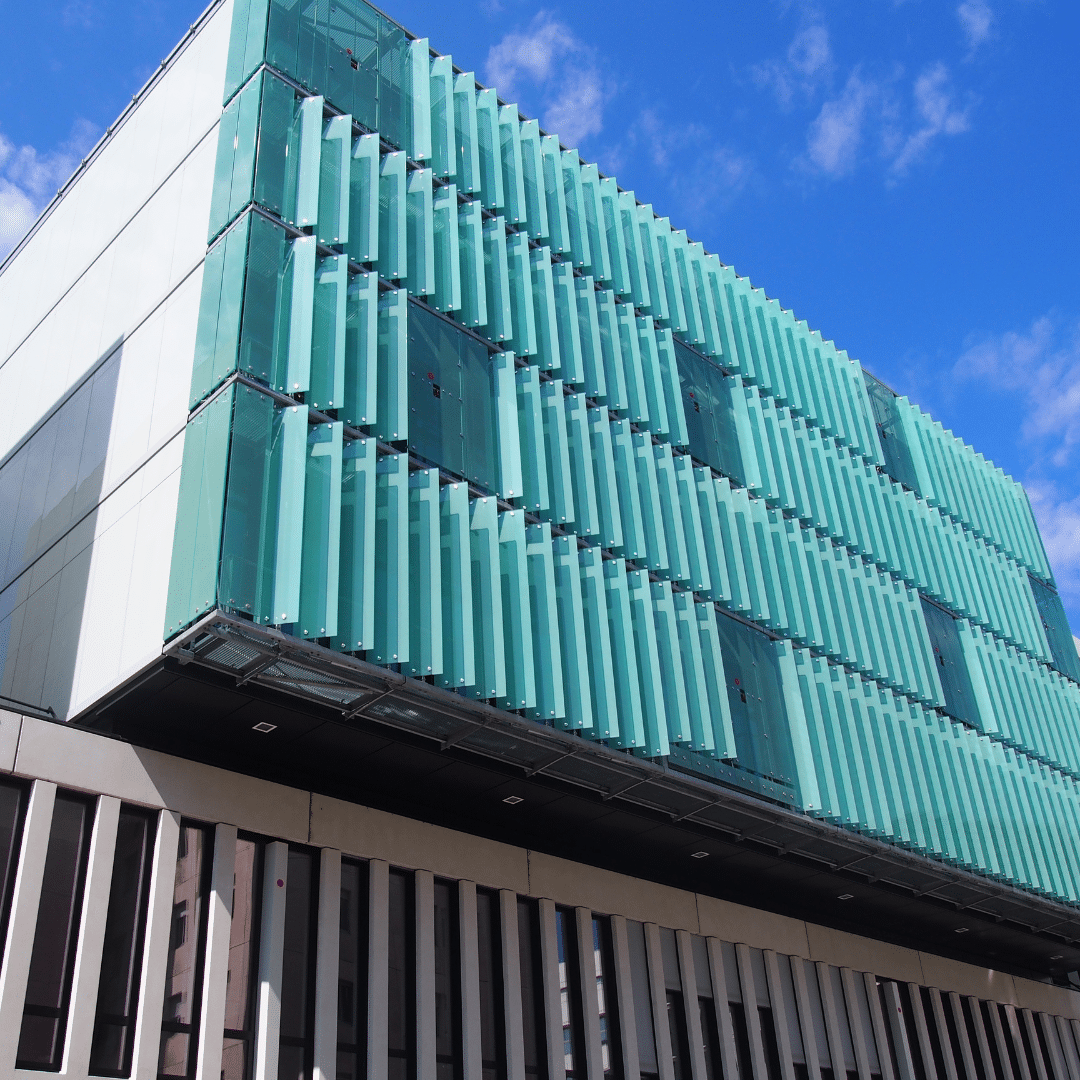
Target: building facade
450,621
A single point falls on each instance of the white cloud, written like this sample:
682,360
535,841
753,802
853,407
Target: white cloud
29,179
976,20
938,115
560,67
1058,517
807,64
832,144
1040,368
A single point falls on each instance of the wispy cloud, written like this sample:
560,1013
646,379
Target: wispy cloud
938,114
976,20
548,59
806,66
702,176
29,179
1038,371
834,138
870,119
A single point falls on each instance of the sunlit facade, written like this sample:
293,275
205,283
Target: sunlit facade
454,627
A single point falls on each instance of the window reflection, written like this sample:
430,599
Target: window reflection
240,990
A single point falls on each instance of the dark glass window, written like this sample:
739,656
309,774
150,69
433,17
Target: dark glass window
489,950
607,999
240,994
742,1040
122,951
639,980
12,813
532,989
772,1045
973,1038
680,1042
401,996
447,983
297,1046
352,971
52,961
570,992
187,944
710,1040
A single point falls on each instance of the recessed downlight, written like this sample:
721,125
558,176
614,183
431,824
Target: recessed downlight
513,800
1058,956
263,727
961,929
846,896
699,855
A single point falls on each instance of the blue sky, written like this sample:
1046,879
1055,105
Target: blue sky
904,174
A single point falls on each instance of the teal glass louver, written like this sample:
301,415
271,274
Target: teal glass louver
463,407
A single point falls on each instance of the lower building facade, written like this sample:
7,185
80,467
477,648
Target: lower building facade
166,918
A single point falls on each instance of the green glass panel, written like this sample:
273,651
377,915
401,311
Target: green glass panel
683,273
566,321
489,152
283,33
611,351
361,349
321,559
467,137
573,641
678,560
356,576
247,42
513,175
473,280
447,254
669,668
554,193
425,575
560,484
421,241
532,174
334,181
199,513
650,254
277,165
487,400
417,87
218,330
504,373
459,668
637,402
579,449
624,657
716,681
603,698
517,619
309,164
295,311
329,333
521,294
670,275
393,233
363,243
593,211
652,377
696,716
652,521
1055,625
547,648
626,483
578,227
392,416
603,461
488,644
443,126
402,102
547,328
234,170
499,319
688,506
649,660
592,356
391,638
635,262
534,472
436,394
611,224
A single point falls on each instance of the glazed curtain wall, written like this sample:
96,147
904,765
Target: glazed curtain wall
462,406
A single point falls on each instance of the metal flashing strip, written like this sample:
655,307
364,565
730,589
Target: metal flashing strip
356,690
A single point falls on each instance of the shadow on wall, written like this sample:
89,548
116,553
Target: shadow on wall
50,492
